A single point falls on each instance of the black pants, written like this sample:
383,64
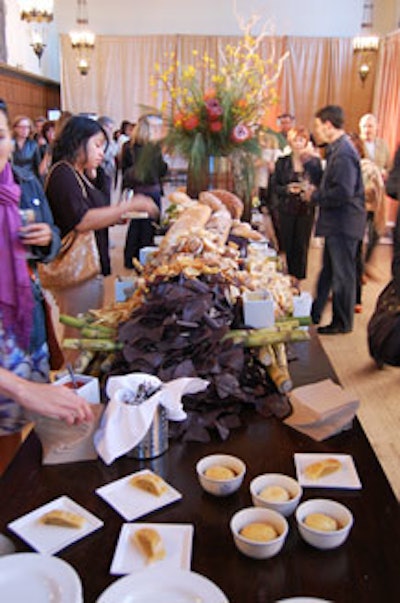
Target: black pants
295,237
338,274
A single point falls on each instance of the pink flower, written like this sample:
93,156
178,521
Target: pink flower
213,108
240,133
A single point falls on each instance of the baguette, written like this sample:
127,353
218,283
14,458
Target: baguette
191,220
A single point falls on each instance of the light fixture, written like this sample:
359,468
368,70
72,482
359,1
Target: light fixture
82,39
37,13
365,45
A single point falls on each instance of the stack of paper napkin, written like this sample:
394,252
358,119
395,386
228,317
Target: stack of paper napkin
321,409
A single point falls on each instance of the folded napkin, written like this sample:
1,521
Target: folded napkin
321,409
62,443
126,422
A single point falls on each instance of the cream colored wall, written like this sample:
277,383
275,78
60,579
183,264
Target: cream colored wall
132,17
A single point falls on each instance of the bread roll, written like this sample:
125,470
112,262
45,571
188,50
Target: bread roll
65,519
149,482
150,544
260,532
322,522
231,202
274,494
219,472
321,468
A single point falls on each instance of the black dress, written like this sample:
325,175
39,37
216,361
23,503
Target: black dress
296,216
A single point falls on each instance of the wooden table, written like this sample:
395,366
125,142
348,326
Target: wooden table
364,569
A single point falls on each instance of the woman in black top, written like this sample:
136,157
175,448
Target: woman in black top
294,173
144,168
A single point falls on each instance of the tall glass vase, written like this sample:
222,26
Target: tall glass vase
213,172
243,180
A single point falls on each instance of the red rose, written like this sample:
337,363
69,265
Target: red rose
215,126
240,133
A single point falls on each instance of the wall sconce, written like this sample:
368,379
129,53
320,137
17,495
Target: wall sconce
363,46
37,14
82,40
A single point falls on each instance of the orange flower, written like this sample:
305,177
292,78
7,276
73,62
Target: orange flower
190,122
242,103
215,126
210,93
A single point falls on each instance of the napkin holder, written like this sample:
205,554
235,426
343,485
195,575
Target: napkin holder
258,309
322,409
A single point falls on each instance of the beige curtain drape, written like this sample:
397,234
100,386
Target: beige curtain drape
387,90
318,71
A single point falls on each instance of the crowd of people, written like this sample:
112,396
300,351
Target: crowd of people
64,173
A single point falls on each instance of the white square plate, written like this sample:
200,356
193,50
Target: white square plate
345,477
177,539
131,502
48,539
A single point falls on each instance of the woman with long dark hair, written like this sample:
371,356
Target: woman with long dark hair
78,205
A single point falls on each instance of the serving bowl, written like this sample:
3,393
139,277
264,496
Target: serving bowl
253,548
293,488
322,539
221,487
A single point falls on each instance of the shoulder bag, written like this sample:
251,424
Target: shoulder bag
77,261
384,328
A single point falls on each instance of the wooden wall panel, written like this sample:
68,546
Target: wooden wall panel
27,94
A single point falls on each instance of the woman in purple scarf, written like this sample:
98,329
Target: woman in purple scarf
24,356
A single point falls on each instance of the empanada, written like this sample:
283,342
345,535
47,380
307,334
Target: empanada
65,519
149,482
322,468
150,543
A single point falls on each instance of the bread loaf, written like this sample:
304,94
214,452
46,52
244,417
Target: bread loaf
190,221
231,202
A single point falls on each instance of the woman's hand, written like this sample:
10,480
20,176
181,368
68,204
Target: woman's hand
38,233
57,402
142,203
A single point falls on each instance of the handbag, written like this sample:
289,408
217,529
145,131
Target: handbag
77,261
384,328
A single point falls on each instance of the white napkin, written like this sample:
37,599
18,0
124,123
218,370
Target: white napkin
124,425
321,409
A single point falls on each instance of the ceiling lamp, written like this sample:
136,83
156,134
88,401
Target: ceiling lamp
37,13
82,39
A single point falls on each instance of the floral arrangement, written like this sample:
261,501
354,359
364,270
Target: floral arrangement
216,108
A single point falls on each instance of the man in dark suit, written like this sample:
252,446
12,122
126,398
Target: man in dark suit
341,221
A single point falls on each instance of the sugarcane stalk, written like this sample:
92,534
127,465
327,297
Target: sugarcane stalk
94,345
78,322
298,321
260,337
97,332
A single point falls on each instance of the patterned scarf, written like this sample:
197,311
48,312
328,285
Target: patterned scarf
16,297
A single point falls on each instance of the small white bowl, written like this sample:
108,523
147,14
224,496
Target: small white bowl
252,548
293,487
216,486
319,538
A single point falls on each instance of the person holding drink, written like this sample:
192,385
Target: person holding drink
294,175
